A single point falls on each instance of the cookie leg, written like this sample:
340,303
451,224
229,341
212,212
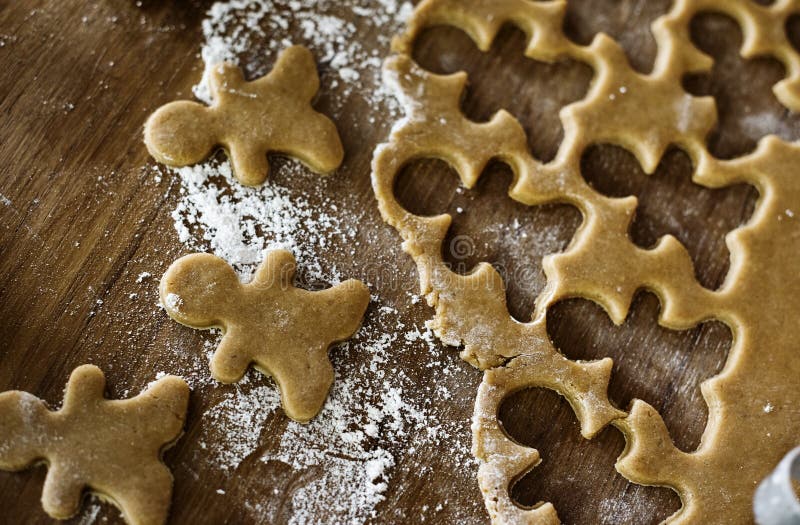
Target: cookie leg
147,496
229,362
250,165
61,495
304,386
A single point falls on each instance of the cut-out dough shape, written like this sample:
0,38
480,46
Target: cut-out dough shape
752,403
282,330
113,447
250,119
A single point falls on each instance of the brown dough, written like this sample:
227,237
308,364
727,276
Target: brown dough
759,301
113,447
250,119
284,331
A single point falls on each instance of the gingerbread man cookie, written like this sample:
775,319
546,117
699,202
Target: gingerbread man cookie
282,330
113,447
250,119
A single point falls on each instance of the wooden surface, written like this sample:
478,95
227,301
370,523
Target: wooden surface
82,218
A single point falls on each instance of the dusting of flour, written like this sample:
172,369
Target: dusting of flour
240,223
375,416
250,33
352,443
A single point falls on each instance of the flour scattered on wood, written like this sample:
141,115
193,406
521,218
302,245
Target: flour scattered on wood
252,33
89,515
240,223
368,421
379,416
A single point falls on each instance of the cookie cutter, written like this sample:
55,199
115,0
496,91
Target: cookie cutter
775,501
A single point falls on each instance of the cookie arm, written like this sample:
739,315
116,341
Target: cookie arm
225,79
295,71
350,300
86,386
304,380
169,399
278,269
315,141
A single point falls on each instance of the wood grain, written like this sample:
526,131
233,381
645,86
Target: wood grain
86,218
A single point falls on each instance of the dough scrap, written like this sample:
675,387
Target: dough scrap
113,447
282,330
759,300
250,119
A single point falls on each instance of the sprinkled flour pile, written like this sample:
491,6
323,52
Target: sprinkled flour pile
377,412
369,417
251,33
352,442
240,223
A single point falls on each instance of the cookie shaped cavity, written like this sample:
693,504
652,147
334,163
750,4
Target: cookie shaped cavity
643,113
282,330
250,119
111,447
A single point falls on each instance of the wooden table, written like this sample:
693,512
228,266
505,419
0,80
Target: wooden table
83,217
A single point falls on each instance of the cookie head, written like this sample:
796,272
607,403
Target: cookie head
199,290
21,421
180,133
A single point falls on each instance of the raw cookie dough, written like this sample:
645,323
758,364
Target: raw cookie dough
759,301
113,447
284,331
250,119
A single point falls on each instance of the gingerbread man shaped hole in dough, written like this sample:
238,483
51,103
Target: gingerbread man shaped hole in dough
250,119
444,51
489,226
284,331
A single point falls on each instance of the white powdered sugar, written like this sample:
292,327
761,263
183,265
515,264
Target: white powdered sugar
371,415
378,414
374,412
240,223
251,33
366,421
